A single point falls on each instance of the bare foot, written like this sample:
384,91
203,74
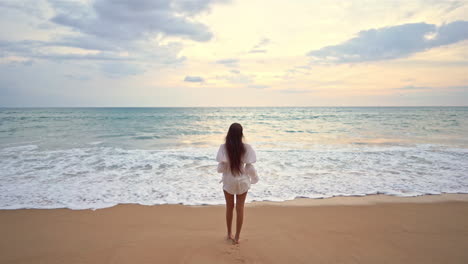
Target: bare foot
229,237
236,240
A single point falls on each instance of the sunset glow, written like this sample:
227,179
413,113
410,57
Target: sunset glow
233,53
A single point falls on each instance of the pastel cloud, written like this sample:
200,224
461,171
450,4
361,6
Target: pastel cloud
125,32
393,42
117,30
421,88
258,86
154,52
260,46
193,79
412,87
131,20
228,62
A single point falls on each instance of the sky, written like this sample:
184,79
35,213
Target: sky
184,53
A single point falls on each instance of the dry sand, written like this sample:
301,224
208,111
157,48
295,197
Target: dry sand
369,230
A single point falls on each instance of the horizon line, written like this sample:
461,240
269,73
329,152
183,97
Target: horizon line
349,106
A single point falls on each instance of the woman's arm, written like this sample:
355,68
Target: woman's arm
222,166
251,172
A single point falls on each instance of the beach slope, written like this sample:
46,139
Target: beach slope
435,232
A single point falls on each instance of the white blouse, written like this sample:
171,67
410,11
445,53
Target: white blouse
241,183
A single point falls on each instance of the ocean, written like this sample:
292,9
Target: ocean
90,158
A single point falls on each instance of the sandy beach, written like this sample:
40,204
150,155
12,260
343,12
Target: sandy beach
372,229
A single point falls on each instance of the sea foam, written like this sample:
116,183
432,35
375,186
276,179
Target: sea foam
98,177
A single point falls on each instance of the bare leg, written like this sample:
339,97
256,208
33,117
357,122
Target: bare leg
240,201
229,211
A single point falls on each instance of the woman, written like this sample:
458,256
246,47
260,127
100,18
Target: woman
235,162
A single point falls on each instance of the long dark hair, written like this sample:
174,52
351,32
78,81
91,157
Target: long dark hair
235,148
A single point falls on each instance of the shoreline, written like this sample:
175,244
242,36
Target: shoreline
369,199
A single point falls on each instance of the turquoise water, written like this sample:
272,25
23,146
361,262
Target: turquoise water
99,157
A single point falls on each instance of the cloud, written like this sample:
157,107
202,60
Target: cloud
191,7
237,78
258,51
392,42
196,79
120,70
77,77
260,46
229,62
131,20
24,7
258,86
294,91
421,88
31,49
112,30
453,6
263,42
113,61
412,87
